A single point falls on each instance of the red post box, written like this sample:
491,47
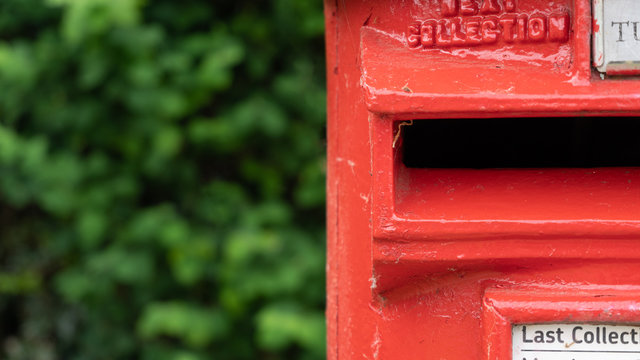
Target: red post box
484,180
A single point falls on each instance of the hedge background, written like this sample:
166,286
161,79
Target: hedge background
161,179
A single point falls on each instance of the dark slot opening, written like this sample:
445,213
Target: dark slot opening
583,142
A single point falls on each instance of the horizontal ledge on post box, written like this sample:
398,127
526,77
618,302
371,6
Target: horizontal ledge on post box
403,230
550,305
399,80
497,105
494,250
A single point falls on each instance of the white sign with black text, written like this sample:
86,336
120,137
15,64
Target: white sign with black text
575,342
616,36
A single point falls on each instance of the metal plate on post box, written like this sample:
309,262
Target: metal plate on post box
575,342
616,36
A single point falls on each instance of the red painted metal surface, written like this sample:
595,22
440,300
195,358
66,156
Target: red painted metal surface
437,263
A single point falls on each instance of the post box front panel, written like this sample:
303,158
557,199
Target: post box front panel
444,263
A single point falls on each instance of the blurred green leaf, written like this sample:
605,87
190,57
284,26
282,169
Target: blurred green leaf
280,325
193,325
89,17
25,282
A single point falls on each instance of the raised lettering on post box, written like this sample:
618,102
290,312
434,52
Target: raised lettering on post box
477,22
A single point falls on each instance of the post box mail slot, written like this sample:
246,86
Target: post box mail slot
483,177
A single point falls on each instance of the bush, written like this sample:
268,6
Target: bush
161,179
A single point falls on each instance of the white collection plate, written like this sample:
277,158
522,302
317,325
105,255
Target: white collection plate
616,36
575,342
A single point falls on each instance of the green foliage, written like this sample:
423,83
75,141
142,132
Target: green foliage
161,179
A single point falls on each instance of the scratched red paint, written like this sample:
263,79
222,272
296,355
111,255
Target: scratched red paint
416,272
596,27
